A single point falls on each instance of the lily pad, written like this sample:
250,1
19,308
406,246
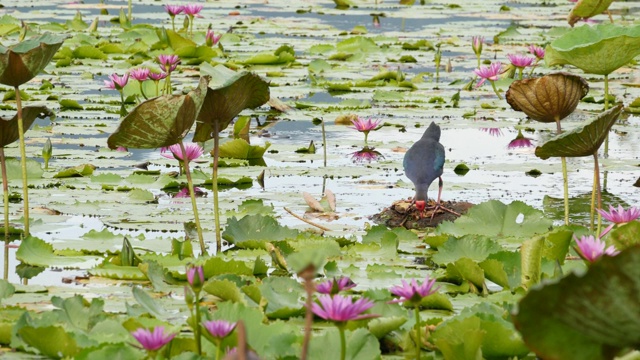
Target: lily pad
585,317
495,219
599,49
252,231
548,98
161,121
582,141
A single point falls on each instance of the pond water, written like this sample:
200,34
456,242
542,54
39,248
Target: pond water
362,189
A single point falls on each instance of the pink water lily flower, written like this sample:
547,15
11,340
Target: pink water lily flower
488,73
192,10
334,285
618,216
212,38
341,309
363,125
591,249
174,10
476,44
152,340
520,141
140,74
168,63
117,82
413,292
157,76
192,271
193,151
536,51
520,61
184,193
219,328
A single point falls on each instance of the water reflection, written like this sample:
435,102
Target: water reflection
366,155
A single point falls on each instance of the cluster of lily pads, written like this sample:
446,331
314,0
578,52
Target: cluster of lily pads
260,296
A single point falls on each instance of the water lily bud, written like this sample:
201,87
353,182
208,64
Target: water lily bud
47,150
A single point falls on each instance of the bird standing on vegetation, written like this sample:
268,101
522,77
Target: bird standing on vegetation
423,163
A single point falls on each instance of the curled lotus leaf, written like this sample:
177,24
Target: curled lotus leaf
582,141
600,49
9,127
585,9
161,121
590,316
548,98
21,62
233,92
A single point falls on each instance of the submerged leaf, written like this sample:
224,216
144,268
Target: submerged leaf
585,317
549,98
582,141
161,121
599,49
9,127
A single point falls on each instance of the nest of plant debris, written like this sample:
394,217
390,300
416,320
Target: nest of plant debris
403,213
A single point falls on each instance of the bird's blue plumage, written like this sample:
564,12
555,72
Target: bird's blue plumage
424,161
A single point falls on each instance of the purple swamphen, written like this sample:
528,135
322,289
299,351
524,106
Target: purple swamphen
423,163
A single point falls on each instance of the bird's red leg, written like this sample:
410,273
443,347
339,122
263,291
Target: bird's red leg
438,206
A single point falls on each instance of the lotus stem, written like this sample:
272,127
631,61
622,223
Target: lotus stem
192,194
173,23
142,91
478,57
214,179
593,202
5,192
310,288
418,337
23,163
324,143
596,169
565,179
493,85
606,107
197,331
520,72
343,343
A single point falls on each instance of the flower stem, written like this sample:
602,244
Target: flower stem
142,91
596,169
5,192
565,179
478,56
493,85
520,71
123,110
167,84
606,107
173,23
343,343
418,336
218,350
187,172
214,179
196,329
23,163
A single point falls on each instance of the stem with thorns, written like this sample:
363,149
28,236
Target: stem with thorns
565,179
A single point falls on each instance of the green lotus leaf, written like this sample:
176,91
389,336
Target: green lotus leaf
549,98
599,49
225,99
9,127
241,149
582,141
585,9
23,61
161,121
590,316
